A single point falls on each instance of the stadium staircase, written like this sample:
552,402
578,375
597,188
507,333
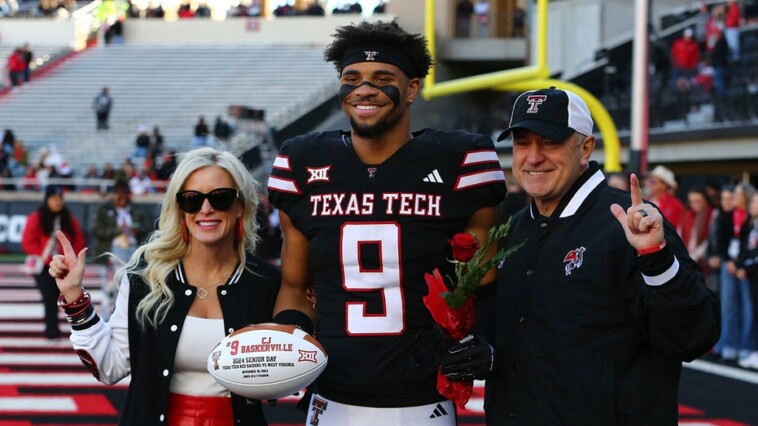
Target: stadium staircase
164,86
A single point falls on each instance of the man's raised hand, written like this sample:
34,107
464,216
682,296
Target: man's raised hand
642,223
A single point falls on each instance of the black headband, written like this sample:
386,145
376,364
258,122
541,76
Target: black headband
378,53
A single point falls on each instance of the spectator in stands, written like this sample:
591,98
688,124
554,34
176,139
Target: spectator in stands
6,154
713,260
9,139
155,318
142,143
203,11
685,56
201,133
126,171
102,107
221,129
5,173
7,8
168,166
253,10
15,66
519,22
156,12
141,183
19,161
696,225
4,163
313,9
27,55
31,181
736,306
732,22
482,12
157,142
284,10
108,172
149,163
660,186
719,60
120,227
91,174
116,30
748,270
715,26
463,12
185,11
38,239
701,25
380,8
269,231
618,180
64,171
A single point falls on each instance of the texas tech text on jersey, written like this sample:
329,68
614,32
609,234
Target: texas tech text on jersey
392,203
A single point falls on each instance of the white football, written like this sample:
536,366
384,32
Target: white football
267,361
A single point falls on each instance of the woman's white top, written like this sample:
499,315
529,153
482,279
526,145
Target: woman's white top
199,337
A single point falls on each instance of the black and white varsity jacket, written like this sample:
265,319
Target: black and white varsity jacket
120,347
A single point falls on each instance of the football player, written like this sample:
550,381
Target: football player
365,213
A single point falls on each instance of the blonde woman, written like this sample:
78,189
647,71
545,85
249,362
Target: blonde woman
192,283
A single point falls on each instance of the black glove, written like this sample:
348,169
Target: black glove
467,359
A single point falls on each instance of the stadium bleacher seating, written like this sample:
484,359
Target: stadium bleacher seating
165,86
677,111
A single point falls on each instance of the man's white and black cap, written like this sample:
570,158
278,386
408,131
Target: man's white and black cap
552,113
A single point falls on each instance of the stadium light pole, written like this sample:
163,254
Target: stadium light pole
640,92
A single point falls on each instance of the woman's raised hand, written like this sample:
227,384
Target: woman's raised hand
68,269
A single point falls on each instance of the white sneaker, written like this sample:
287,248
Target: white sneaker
729,354
751,361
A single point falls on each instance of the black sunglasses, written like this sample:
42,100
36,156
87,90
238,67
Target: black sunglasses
221,199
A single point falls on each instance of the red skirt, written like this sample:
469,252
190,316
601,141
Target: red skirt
185,410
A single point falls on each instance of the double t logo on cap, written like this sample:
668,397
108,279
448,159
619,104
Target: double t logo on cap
553,113
534,103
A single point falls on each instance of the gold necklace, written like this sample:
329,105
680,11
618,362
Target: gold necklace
201,292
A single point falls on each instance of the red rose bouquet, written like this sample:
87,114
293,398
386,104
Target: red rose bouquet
451,302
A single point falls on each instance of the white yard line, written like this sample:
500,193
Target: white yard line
723,371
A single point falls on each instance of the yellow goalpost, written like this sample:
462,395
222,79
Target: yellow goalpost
522,79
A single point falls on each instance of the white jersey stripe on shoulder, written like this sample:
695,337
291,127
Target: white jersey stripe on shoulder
283,185
479,178
477,157
282,162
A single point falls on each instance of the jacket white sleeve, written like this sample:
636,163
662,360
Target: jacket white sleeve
107,344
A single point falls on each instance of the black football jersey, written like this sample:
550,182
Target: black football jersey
373,231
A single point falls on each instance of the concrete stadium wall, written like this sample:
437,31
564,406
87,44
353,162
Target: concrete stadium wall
49,32
316,30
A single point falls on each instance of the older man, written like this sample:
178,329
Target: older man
594,315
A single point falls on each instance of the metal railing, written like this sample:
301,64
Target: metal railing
75,184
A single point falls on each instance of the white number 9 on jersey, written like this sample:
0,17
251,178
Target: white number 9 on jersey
385,278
